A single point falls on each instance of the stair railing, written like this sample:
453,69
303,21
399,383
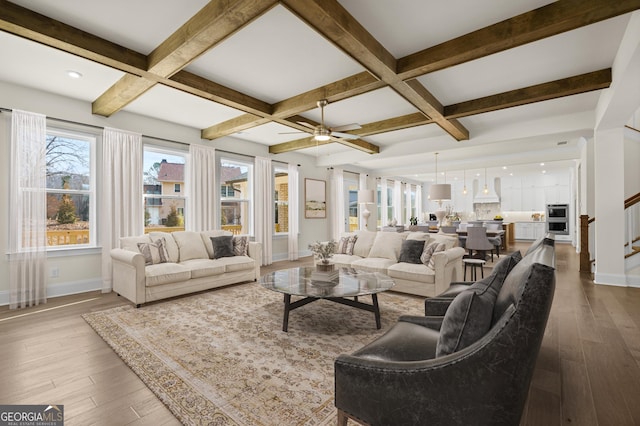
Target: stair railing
632,225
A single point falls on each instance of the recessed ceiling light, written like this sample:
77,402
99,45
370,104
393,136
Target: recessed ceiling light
541,164
504,167
74,74
544,171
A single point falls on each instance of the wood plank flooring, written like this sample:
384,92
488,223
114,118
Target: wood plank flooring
588,371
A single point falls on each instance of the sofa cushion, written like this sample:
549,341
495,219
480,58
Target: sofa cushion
131,243
241,245
222,246
412,272
387,245
373,264
344,259
411,251
364,242
154,252
165,273
203,267
206,239
172,246
417,235
190,245
237,263
468,318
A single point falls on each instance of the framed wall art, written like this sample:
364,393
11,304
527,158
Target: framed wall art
315,199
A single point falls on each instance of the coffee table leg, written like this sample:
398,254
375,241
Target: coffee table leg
287,304
376,310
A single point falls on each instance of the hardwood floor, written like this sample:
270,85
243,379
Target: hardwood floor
588,371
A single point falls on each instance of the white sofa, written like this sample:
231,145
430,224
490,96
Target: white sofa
189,267
380,251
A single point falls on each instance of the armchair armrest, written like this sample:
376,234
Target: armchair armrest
128,274
448,267
255,252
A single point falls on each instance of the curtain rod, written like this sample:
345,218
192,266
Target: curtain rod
2,109
349,171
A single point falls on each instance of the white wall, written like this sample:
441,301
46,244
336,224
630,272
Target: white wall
82,272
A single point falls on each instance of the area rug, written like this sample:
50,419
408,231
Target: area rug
221,357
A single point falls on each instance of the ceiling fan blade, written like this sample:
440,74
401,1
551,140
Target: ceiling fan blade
290,133
302,123
352,126
344,135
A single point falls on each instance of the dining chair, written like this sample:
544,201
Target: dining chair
497,240
477,240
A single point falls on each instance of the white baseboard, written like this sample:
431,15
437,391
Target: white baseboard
610,279
61,289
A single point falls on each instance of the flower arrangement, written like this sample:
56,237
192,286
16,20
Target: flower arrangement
323,251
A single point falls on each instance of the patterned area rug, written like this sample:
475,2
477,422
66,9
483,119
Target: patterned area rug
221,357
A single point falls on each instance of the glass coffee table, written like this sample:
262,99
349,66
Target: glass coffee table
349,283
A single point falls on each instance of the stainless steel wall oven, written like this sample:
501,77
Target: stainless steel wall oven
558,219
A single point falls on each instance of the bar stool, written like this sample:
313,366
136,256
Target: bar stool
473,264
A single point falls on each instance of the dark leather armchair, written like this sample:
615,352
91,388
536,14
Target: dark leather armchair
406,378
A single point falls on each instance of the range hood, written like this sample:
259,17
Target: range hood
490,197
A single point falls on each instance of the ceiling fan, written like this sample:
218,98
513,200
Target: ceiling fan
322,133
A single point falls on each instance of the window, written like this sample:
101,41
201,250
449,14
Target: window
281,200
236,196
163,177
351,191
70,189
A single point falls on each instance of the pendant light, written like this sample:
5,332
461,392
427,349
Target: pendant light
439,191
486,189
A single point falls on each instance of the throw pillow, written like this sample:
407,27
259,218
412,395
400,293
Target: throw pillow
241,245
351,244
468,318
155,252
411,251
493,282
427,253
222,246
439,247
387,245
342,245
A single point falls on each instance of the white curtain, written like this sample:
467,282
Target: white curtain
28,207
407,203
419,202
264,221
337,202
121,194
202,190
294,210
384,202
397,201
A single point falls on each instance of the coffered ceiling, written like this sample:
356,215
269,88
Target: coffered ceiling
484,83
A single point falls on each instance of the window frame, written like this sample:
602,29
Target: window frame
150,146
92,140
242,162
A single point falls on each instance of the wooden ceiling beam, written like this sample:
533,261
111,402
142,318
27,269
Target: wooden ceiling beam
546,21
212,24
333,21
303,143
583,83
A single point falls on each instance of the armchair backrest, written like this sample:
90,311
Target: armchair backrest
477,239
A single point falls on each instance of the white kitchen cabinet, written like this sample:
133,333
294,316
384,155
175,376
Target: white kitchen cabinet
529,230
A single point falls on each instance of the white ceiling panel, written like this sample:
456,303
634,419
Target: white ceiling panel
138,25
428,23
34,65
271,134
174,105
274,58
